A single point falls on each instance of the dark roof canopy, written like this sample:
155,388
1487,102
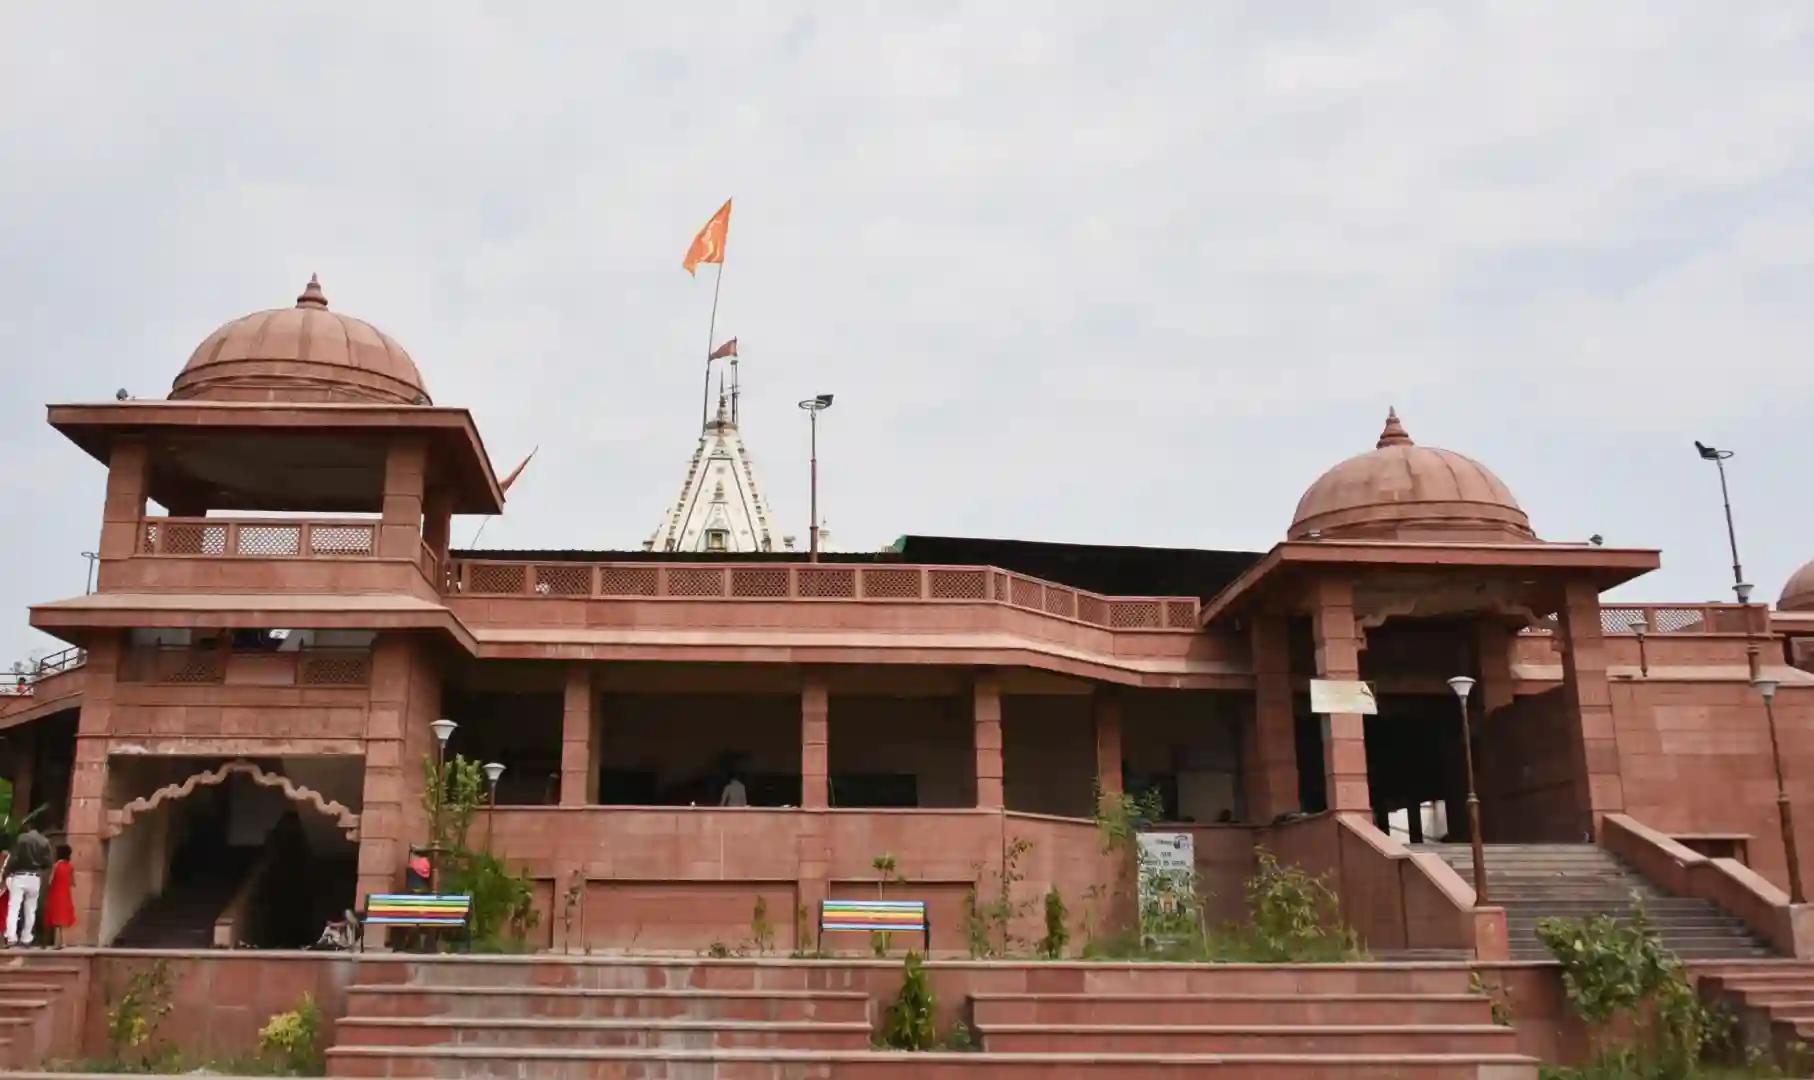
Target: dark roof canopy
1101,568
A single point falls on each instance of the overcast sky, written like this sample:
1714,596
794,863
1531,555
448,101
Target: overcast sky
1131,276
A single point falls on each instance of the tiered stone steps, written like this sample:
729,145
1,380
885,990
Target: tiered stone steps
1534,881
40,1002
1773,1001
773,1019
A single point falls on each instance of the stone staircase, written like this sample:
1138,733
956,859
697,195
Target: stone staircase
40,1008
558,1017
1773,1001
1533,881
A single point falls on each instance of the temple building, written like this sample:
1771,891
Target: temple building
234,742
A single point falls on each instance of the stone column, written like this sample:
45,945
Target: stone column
405,699
437,520
1588,699
405,471
1106,708
1493,643
123,512
986,699
1270,747
815,714
88,786
25,762
1338,657
579,713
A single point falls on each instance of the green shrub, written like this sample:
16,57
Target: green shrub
1058,935
909,1023
133,1020
292,1040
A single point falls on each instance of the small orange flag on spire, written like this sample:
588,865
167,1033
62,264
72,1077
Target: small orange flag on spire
516,472
708,246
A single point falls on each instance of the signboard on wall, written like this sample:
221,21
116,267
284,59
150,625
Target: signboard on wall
1342,696
1168,885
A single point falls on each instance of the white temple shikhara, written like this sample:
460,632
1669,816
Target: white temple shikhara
721,507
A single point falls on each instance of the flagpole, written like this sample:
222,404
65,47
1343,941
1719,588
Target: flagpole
711,331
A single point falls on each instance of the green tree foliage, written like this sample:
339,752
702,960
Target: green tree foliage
503,910
1058,935
909,1022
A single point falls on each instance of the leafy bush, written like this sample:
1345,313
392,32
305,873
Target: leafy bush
133,1020
909,1023
1058,935
1614,970
762,932
503,910
1295,915
292,1040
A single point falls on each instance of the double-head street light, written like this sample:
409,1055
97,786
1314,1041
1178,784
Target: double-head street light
1767,687
443,729
814,406
1718,457
1463,686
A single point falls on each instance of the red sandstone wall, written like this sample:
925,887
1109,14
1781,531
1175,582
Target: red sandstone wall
1528,770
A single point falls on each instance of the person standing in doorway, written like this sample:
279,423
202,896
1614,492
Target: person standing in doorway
24,880
59,897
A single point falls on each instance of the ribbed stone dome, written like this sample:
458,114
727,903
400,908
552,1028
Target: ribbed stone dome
1798,594
1402,491
301,353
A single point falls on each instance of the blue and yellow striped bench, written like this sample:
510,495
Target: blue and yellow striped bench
877,917
416,909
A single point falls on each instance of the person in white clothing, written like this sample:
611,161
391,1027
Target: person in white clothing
25,872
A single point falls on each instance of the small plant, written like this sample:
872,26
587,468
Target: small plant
133,1020
1058,935
762,932
1498,994
909,1022
802,920
1295,914
976,926
960,1038
718,950
998,914
292,1040
886,872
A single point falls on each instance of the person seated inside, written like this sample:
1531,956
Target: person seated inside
734,794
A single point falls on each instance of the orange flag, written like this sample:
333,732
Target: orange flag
516,472
708,246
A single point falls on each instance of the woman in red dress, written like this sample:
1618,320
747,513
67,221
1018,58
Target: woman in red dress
59,897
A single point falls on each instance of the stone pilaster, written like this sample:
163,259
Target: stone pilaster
1270,747
88,786
123,512
986,698
1338,657
579,727
405,699
1106,710
405,472
1588,699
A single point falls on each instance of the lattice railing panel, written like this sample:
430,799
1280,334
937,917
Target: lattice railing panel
999,585
1092,609
343,540
496,577
1135,615
629,581
828,582
1181,614
193,538
563,579
945,584
190,666
268,540
1680,620
759,582
1061,601
333,667
1027,593
695,581
891,583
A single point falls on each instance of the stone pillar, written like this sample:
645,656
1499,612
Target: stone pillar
88,786
25,762
815,715
1493,644
1270,746
123,511
437,520
987,727
405,699
1588,699
1106,709
405,471
1338,657
579,780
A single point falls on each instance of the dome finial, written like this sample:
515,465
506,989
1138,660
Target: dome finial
1394,433
312,296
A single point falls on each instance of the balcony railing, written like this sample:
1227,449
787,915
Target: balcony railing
819,582
187,665
259,538
25,675
1664,619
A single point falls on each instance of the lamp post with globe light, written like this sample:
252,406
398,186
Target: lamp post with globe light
493,770
1767,687
443,729
1463,686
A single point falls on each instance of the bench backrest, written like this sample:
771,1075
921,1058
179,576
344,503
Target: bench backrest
875,916
417,909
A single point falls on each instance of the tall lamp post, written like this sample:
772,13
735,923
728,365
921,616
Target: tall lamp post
1463,686
88,582
1767,687
443,729
493,770
814,406
1639,627
1718,457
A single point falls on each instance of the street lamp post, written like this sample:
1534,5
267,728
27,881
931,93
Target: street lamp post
88,582
493,770
1718,457
1767,687
1639,626
443,729
814,406
1463,686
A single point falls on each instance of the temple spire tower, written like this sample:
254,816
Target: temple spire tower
721,508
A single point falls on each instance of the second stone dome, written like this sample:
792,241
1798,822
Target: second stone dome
1402,491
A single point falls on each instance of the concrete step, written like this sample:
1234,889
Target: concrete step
1228,1009
464,1063
572,1003
1248,1039
639,1034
